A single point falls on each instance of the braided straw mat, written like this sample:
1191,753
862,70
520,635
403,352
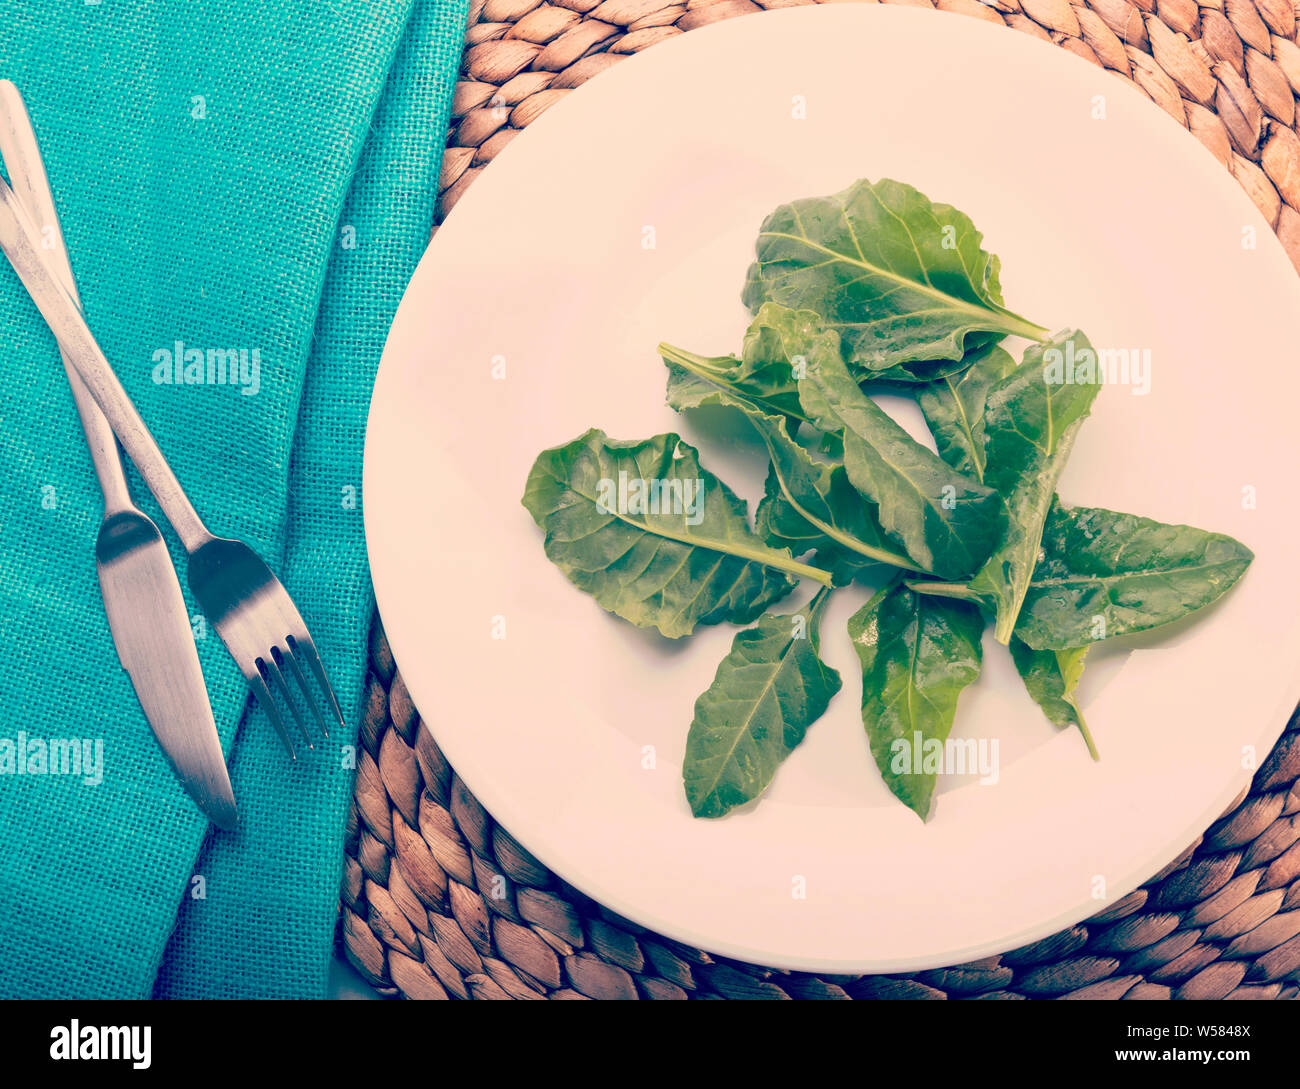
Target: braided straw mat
440,901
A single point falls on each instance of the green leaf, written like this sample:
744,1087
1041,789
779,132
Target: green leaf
910,375
1031,419
904,280
1104,574
809,504
917,655
767,692
954,409
781,525
946,522
684,558
763,376
822,496
1051,676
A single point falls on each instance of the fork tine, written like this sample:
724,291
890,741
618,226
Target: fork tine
318,671
272,670
263,695
314,704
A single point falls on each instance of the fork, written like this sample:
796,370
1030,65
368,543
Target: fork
250,609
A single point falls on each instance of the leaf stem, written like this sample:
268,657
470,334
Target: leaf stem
707,369
817,574
946,589
768,557
691,361
1082,723
1017,326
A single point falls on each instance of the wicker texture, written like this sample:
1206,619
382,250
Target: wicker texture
1228,70
440,901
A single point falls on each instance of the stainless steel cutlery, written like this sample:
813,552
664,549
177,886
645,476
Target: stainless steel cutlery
246,603
142,596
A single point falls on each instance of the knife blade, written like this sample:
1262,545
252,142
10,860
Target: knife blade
142,595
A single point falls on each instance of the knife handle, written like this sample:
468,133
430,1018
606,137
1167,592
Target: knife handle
22,156
63,315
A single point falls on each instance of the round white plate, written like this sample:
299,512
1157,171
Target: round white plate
627,215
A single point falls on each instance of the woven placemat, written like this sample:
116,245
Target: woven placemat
440,901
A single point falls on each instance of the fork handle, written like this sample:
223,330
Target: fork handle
63,315
22,155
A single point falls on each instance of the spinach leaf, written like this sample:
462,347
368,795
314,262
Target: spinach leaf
765,375
876,284
652,536
1051,677
954,409
820,495
917,655
947,523
810,504
767,692
903,279
1104,574
911,375
781,525
1031,419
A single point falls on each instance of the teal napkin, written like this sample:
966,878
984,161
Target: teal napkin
234,175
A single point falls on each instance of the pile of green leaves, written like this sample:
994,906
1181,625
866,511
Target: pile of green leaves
874,284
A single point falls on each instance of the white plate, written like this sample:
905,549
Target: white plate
571,729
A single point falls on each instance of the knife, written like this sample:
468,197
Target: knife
142,595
